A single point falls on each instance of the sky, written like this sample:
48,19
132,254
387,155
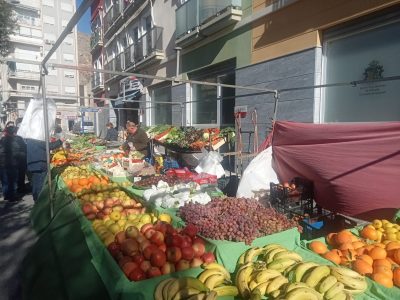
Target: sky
84,22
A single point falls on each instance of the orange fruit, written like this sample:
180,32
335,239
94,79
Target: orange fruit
392,246
83,181
345,246
377,253
368,259
349,254
396,277
391,261
332,256
343,236
75,181
357,244
382,262
383,246
382,279
318,247
384,270
331,239
396,256
369,233
95,180
362,267
361,251
104,182
354,238
345,261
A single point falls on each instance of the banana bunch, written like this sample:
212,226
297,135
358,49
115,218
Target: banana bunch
217,279
183,288
352,282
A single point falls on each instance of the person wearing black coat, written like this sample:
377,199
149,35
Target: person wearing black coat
37,163
12,152
112,133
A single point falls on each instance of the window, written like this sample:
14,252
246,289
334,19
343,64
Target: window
28,88
68,40
48,3
204,111
49,38
53,89
69,74
349,55
49,20
68,57
70,90
66,6
161,113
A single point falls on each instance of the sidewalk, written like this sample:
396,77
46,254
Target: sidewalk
16,236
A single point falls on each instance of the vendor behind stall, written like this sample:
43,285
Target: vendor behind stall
136,139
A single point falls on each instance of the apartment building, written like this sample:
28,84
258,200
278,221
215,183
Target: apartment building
40,22
271,44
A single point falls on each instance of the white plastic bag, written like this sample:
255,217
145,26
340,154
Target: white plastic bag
211,164
258,175
32,125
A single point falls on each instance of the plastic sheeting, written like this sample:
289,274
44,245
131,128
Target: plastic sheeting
355,167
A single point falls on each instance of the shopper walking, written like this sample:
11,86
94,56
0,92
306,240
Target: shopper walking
11,153
112,133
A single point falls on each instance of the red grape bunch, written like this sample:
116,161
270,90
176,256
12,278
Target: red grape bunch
235,219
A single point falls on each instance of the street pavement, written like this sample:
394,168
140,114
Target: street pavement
16,236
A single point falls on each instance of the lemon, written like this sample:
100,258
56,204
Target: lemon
165,218
121,223
391,236
146,218
391,230
115,215
377,223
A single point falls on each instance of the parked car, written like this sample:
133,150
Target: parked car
88,127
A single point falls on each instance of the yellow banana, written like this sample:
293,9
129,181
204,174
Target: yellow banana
262,287
158,292
340,296
316,275
214,280
276,283
216,266
295,285
208,273
303,293
350,279
252,253
269,247
288,255
276,294
166,288
226,290
269,256
241,259
327,283
185,293
345,272
353,291
266,274
211,296
281,264
335,289
255,295
252,284
201,296
242,278
184,282
302,269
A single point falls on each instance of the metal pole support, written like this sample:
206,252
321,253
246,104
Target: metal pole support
182,114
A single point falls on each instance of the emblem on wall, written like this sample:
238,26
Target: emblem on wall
373,71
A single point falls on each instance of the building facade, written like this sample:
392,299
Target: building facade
40,22
286,45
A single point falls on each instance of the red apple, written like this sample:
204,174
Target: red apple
182,265
199,249
196,262
149,233
144,245
153,272
129,247
168,268
177,240
108,203
148,251
161,226
170,229
120,237
198,240
174,254
191,230
185,243
87,208
128,267
107,211
163,247
145,227
208,258
145,265
157,238
132,232
158,258
114,249
100,205
169,240
141,238
123,260
137,275
187,253
138,258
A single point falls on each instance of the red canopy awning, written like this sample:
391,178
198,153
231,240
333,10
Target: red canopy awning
355,167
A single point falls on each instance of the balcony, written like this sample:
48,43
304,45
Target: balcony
95,40
109,66
197,19
146,50
111,17
26,35
23,71
131,5
97,82
120,62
